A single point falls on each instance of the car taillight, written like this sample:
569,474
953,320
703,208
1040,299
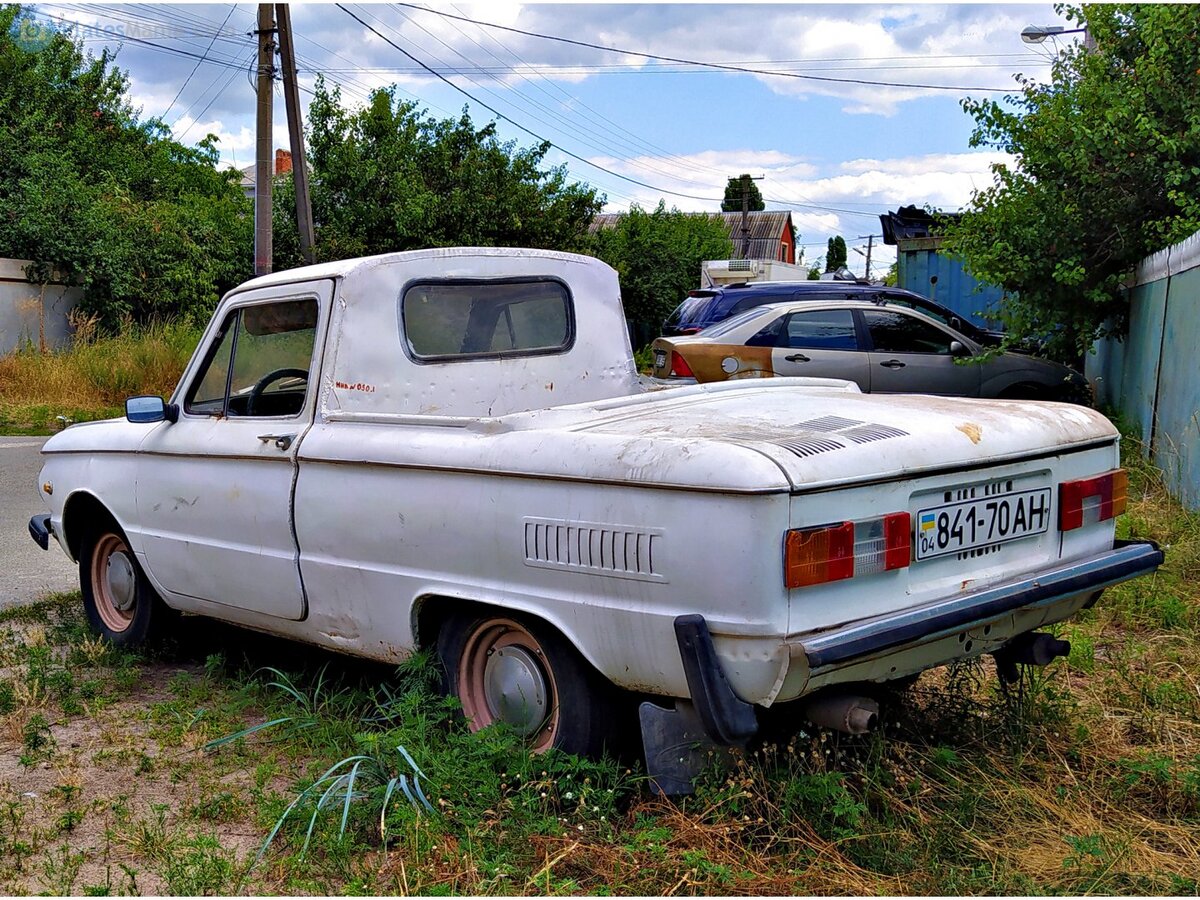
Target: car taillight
1087,501
691,329
679,366
843,550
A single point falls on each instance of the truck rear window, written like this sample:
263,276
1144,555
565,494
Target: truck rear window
471,319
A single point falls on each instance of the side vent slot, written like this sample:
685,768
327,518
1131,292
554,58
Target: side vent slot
594,549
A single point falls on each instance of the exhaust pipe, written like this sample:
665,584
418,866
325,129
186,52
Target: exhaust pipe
1037,648
853,715
1030,649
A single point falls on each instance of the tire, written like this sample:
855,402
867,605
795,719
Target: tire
119,602
1022,392
512,669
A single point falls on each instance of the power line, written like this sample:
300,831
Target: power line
709,65
601,142
120,38
200,116
199,62
550,143
515,124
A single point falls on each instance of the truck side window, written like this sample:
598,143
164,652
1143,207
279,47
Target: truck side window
259,362
471,319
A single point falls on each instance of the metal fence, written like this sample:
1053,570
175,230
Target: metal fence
32,315
1153,375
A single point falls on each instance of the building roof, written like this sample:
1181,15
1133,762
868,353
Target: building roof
766,226
909,222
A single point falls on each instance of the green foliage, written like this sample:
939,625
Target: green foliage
733,195
1106,166
386,177
146,226
835,253
658,256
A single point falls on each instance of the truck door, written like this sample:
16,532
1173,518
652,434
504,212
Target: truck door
215,488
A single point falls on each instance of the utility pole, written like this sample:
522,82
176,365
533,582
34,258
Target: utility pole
264,170
870,243
746,179
291,97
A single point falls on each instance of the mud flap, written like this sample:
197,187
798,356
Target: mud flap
678,748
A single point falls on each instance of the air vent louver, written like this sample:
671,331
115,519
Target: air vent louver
594,549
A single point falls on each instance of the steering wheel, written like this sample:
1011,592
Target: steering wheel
260,386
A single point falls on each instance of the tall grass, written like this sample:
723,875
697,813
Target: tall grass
91,378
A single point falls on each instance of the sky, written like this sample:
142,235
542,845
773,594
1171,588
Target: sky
835,151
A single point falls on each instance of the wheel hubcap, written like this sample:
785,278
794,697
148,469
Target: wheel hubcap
503,676
113,579
515,689
121,585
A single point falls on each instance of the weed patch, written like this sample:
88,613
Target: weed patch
91,378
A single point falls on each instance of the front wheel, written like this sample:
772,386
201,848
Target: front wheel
119,602
525,674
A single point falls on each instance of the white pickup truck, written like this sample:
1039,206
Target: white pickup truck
453,449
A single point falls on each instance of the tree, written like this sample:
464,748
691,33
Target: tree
1106,170
387,177
733,194
658,256
835,253
148,227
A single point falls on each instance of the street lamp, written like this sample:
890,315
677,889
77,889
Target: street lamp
1035,34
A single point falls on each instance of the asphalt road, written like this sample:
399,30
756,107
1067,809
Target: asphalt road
27,572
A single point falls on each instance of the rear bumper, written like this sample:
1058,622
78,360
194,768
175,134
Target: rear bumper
908,640
858,641
40,530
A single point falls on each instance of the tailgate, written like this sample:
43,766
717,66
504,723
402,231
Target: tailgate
971,528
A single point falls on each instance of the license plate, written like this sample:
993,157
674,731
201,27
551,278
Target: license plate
660,359
955,527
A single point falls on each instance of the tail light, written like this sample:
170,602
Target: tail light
691,329
679,366
1087,501
843,550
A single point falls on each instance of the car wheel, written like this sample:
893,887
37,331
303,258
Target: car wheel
525,674
120,604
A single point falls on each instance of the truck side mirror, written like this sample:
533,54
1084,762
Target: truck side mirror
148,408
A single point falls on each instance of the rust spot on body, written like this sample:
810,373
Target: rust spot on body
971,430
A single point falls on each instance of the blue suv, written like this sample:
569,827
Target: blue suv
709,306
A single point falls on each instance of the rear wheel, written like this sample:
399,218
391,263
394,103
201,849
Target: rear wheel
119,602
510,669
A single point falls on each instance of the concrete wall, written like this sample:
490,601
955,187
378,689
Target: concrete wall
31,314
1153,375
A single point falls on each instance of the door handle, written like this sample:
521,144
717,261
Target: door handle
797,357
892,364
282,441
